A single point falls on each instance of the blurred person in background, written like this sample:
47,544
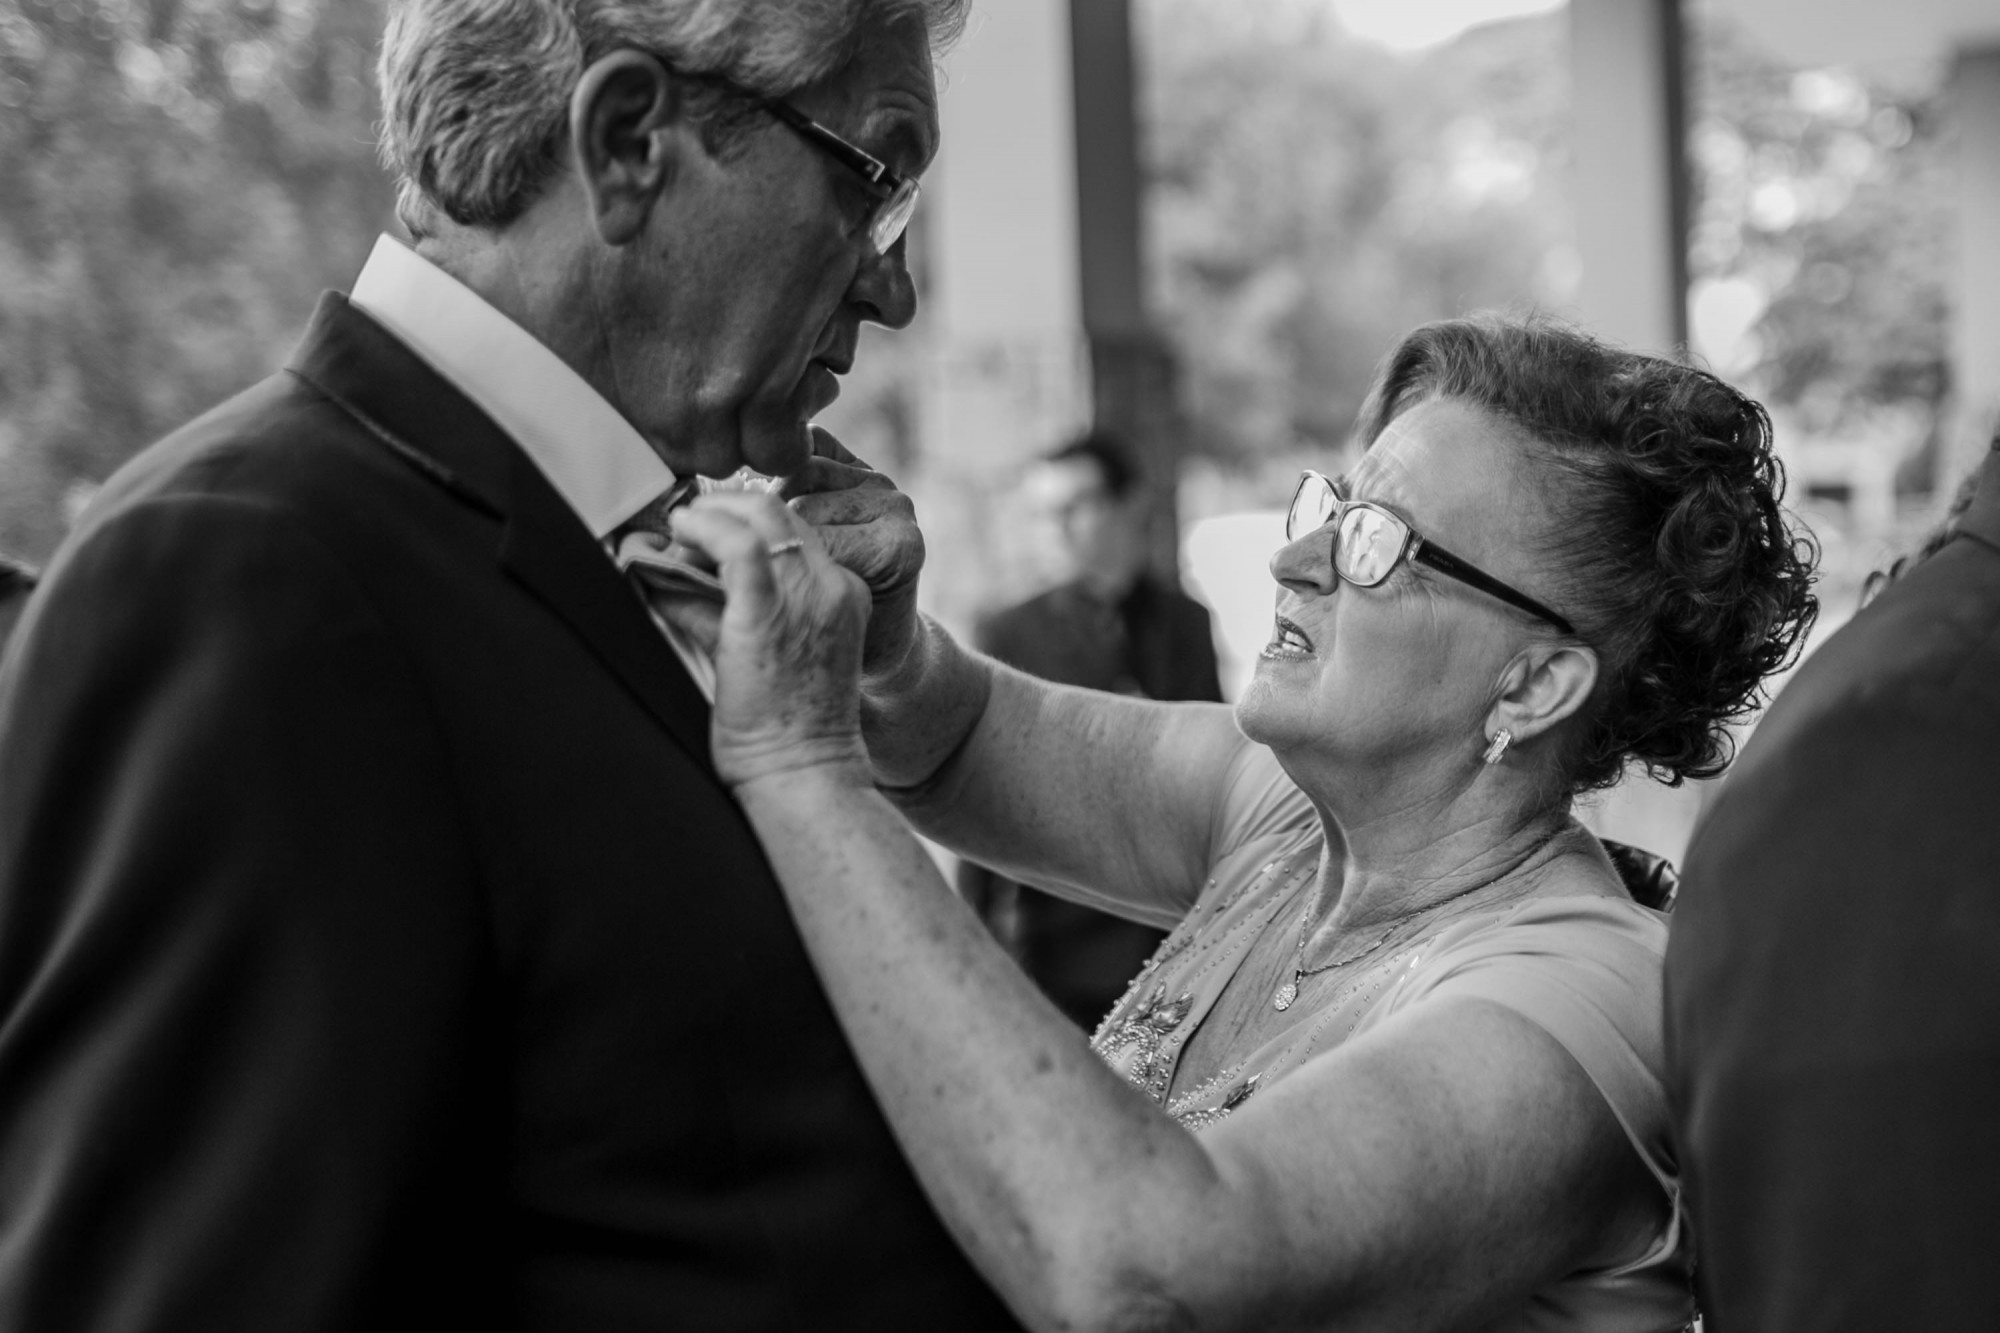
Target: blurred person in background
1112,625
1834,977
17,584
378,949
1399,1063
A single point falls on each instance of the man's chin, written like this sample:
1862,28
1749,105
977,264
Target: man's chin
818,388
772,435
778,444
777,447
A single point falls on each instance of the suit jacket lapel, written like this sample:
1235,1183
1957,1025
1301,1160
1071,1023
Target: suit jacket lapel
549,550
415,413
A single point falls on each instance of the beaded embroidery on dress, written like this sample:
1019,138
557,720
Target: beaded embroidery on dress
1586,970
1144,1034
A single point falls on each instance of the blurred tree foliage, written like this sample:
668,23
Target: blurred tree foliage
182,177
1314,198
1827,198
179,178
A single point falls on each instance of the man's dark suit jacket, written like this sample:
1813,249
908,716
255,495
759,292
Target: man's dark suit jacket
377,947
1833,978
1156,641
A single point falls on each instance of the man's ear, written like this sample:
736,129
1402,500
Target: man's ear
627,130
1541,687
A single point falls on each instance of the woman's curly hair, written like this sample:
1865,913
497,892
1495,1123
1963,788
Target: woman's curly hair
1674,557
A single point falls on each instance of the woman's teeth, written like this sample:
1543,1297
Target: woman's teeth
1288,641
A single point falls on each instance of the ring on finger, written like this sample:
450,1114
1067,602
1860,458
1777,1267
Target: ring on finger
786,547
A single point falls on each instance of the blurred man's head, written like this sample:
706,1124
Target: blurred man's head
1087,494
696,203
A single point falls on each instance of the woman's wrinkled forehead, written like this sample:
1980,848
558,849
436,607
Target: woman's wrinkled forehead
1385,463
1451,468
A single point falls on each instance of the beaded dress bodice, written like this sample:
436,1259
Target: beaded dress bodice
1147,1032
1586,969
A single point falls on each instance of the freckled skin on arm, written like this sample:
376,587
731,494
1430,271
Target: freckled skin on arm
1037,780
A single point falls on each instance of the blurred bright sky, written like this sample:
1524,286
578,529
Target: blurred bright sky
1410,25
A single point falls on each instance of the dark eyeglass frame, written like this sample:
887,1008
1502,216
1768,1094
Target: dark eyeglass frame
1413,546
895,193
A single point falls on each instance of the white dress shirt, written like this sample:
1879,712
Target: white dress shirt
600,465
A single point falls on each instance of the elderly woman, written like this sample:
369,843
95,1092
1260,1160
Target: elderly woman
1398,1064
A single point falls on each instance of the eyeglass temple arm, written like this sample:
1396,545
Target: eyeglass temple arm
871,168
1445,562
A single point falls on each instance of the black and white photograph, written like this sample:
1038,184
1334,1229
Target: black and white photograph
1034,666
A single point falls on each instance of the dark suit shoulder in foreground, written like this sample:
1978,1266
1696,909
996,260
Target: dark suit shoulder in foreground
1834,976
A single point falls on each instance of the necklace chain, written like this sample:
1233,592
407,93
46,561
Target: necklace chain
1287,994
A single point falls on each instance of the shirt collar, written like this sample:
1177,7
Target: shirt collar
598,463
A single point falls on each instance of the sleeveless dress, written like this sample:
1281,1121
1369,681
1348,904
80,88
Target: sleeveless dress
1586,970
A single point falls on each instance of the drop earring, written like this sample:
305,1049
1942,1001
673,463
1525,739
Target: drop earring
1501,739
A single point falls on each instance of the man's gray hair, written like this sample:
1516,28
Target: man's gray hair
475,93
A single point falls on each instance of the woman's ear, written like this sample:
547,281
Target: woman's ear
1542,686
627,128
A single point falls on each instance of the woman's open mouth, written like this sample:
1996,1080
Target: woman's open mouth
1287,641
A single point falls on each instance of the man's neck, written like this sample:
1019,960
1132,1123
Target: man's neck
488,269
539,295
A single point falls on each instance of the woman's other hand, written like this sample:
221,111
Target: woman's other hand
871,528
788,659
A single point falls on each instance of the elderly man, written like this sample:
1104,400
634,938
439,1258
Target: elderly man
377,947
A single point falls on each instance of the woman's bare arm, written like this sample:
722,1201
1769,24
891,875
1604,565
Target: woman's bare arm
1014,784
1431,1175
1428,1176
1103,798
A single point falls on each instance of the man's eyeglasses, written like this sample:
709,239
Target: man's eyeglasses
1368,540
895,194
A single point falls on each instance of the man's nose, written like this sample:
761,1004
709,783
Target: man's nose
1306,565
883,288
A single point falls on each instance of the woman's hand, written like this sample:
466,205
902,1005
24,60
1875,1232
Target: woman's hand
788,660
871,528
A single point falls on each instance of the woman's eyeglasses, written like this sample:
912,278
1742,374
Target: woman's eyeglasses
1368,540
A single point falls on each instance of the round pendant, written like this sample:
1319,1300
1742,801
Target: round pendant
1286,994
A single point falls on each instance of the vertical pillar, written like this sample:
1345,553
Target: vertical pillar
1132,372
1629,117
1104,94
1975,100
